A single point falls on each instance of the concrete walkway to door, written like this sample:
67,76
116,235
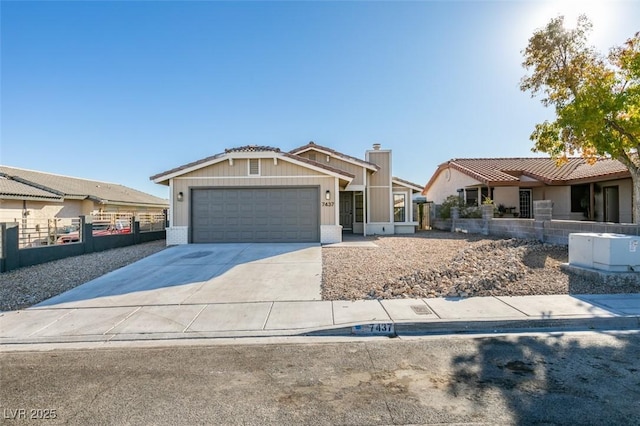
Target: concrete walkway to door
203,274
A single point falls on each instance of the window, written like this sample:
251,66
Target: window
399,207
579,198
312,156
359,208
254,166
471,197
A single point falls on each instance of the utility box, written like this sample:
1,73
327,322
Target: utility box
607,252
581,249
616,253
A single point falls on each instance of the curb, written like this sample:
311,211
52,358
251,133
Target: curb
400,329
497,326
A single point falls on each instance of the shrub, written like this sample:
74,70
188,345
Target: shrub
468,212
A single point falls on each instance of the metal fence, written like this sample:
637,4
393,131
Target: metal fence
37,232
151,221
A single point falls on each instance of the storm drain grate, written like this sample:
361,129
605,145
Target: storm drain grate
197,255
421,309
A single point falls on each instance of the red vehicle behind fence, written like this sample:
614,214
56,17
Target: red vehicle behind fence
99,230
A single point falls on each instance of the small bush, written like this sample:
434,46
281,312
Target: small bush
468,212
450,202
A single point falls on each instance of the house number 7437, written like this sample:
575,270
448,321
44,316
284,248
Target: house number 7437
327,204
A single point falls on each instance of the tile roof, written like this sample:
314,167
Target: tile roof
13,189
604,167
505,171
78,188
544,169
252,148
493,170
312,145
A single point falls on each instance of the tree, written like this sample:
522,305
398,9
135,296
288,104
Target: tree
596,98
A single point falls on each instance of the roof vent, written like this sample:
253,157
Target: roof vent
376,146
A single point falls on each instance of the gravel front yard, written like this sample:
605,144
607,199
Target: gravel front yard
441,264
427,264
25,287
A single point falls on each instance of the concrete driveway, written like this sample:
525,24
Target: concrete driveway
205,274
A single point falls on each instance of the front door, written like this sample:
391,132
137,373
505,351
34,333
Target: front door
525,203
611,204
346,211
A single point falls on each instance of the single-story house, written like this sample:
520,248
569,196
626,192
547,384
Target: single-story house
261,194
579,191
39,195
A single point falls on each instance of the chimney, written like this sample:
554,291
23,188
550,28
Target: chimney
376,146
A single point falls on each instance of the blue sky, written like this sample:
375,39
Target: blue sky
119,91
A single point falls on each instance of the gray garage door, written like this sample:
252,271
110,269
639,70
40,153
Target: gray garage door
255,215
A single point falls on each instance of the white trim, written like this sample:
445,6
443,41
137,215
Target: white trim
336,202
190,169
171,203
368,202
346,160
404,185
391,189
407,200
253,177
261,154
365,196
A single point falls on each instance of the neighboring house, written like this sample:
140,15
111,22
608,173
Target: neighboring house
579,191
39,195
313,193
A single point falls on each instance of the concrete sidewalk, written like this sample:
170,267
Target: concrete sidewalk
290,318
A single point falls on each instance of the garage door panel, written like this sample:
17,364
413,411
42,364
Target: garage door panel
255,214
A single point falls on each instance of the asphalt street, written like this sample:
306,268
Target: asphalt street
571,378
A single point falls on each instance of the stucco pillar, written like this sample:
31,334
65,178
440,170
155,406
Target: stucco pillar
455,215
542,212
487,216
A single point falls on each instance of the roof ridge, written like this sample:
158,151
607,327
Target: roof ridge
252,148
59,175
312,144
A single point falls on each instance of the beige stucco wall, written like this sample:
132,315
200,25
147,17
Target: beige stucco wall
443,187
507,195
625,195
560,196
39,210
71,209
291,175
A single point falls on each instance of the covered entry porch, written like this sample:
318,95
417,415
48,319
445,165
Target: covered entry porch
351,208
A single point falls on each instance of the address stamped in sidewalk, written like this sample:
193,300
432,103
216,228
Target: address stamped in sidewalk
379,329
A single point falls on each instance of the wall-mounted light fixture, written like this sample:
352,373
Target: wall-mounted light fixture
327,195
180,196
